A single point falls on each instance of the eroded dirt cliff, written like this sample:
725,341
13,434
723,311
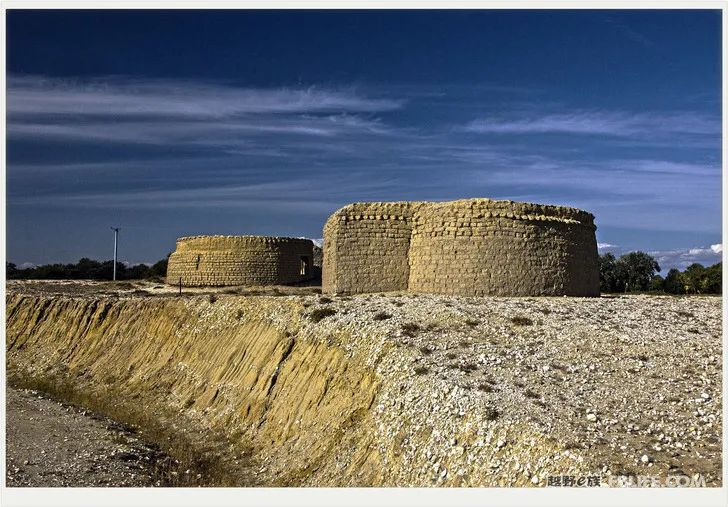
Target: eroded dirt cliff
391,390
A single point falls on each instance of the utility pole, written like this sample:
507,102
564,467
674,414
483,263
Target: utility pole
116,235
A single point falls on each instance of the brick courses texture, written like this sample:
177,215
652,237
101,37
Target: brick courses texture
239,260
469,247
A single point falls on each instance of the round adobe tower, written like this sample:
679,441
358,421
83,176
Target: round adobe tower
240,260
469,247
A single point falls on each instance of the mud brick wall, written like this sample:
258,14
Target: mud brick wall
239,260
470,247
366,247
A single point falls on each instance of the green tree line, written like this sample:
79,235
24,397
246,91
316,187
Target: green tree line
637,271
87,269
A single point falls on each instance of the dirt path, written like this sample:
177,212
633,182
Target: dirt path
54,444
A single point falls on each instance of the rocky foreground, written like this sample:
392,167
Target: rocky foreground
400,389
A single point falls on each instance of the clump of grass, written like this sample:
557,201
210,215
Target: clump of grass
410,329
491,414
382,316
212,298
319,314
468,367
531,394
325,300
520,320
472,322
421,370
486,388
239,314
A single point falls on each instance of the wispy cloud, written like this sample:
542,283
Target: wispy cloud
629,33
169,112
121,97
610,123
295,194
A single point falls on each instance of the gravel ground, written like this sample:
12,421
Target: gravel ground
631,384
145,288
53,444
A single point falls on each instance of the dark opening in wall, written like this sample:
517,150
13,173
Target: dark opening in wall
304,265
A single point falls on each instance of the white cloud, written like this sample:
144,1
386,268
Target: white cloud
318,242
162,112
37,95
619,124
681,258
606,246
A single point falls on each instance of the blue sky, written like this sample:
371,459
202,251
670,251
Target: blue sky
239,122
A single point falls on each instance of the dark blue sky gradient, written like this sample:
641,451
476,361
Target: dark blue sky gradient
168,123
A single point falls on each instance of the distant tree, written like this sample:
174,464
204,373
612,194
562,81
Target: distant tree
674,282
50,272
637,269
713,279
137,272
608,273
694,278
657,283
159,268
86,269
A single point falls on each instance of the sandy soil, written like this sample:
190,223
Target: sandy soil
55,444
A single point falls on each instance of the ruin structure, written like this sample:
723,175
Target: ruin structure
469,247
240,260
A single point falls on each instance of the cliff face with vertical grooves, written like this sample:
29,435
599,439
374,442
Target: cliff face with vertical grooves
225,369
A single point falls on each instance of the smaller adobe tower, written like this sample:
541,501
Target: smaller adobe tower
240,260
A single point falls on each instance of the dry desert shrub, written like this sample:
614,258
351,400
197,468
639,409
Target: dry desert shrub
319,314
